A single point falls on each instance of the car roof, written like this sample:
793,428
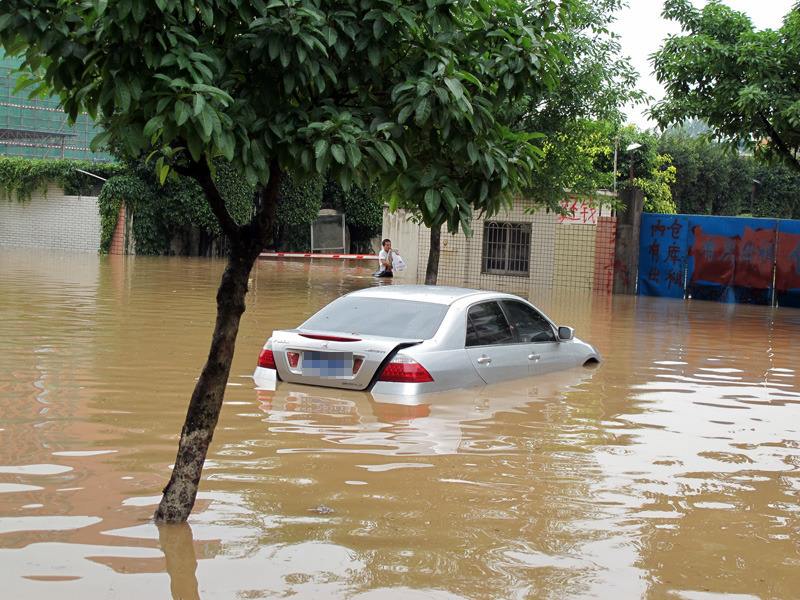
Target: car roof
424,293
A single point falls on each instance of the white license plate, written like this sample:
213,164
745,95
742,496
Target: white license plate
327,364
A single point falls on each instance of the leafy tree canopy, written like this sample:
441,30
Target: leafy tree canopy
581,113
715,179
740,81
356,88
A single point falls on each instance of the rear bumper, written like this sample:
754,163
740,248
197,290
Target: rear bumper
265,379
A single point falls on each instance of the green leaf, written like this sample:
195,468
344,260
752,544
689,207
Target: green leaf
274,47
470,78
432,201
122,96
405,112
407,15
399,89
353,155
195,145
199,104
182,112
214,91
99,141
99,7
386,152
450,199
288,82
472,151
226,145
206,123
153,125
123,8
206,13
338,153
455,87
139,10
163,172
423,111
320,148
374,54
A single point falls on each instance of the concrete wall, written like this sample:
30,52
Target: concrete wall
51,220
405,237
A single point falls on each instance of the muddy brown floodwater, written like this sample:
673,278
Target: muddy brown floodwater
671,471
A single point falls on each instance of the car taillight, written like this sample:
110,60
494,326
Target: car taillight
293,358
405,370
357,362
266,359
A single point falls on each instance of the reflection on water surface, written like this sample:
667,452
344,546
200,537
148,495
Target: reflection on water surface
672,470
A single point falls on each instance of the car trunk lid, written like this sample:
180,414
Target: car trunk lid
333,359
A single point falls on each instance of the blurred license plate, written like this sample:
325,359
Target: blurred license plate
328,364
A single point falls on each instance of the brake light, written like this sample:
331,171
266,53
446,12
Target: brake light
328,338
357,362
293,358
266,359
405,370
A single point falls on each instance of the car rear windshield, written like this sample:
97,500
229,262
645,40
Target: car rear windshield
379,316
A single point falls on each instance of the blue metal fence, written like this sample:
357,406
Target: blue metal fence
726,259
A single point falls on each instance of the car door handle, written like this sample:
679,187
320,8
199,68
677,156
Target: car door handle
484,360
534,356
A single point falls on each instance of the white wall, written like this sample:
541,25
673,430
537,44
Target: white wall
405,237
51,220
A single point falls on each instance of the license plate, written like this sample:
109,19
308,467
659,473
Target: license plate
328,364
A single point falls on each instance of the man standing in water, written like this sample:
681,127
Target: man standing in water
385,259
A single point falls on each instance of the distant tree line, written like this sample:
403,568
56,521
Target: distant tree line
717,179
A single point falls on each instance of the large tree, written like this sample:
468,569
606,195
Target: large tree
566,111
475,158
581,112
355,89
742,82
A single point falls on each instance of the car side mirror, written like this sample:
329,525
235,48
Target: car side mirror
565,334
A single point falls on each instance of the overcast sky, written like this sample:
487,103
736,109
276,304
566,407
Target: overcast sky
642,31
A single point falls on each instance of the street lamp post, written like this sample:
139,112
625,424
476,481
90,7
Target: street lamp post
629,148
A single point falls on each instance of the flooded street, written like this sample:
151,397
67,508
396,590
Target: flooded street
670,471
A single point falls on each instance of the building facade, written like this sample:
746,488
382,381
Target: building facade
38,127
517,249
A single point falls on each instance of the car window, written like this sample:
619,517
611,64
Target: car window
487,326
528,323
388,317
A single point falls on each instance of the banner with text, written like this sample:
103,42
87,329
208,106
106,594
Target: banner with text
787,264
662,255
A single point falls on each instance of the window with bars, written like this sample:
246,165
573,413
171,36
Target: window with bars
506,248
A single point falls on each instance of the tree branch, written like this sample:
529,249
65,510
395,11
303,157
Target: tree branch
268,199
775,137
200,172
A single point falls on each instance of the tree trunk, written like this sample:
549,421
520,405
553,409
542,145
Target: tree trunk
206,402
432,272
246,243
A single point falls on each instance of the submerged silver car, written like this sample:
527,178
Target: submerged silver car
414,339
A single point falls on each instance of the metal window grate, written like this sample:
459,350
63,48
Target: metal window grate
506,248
